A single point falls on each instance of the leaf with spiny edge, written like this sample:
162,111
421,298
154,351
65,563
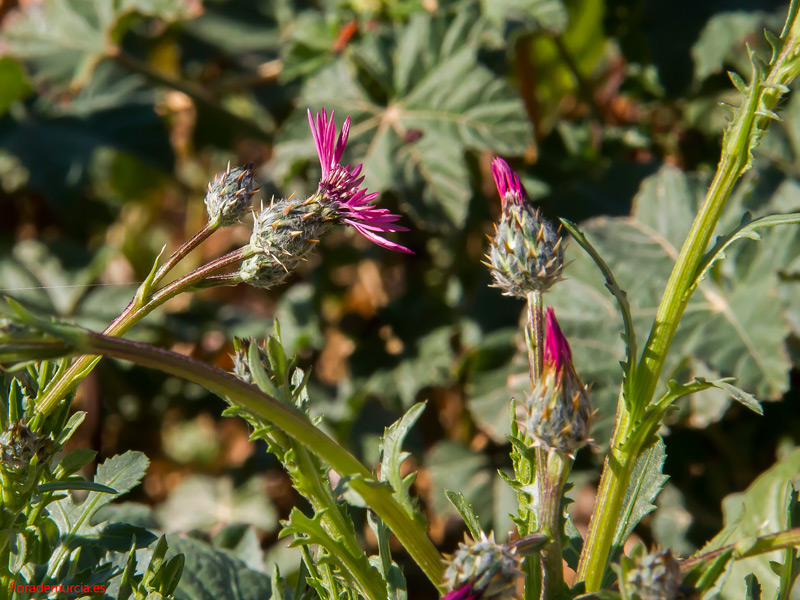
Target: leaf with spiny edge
748,228
393,457
357,570
467,513
629,332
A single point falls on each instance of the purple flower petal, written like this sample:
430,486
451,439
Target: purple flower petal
339,184
556,347
465,592
508,184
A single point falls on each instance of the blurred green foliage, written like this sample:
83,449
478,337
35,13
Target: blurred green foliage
115,115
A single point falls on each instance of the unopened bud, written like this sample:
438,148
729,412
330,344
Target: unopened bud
18,445
482,569
558,414
526,253
284,234
653,576
230,194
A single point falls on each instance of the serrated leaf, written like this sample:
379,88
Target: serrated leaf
464,508
441,102
356,568
752,588
63,40
629,332
646,482
121,473
759,510
211,574
393,458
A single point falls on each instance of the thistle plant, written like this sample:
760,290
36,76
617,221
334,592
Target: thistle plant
49,536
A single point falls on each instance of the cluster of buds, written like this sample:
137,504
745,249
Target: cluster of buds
482,570
526,253
287,231
653,576
558,414
229,196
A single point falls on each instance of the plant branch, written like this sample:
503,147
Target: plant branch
377,495
749,123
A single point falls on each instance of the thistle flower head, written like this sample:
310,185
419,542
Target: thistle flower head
340,185
230,194
18,446
653,576
284,233
482,569
526,253
558,414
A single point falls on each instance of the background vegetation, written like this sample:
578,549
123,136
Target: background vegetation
115,115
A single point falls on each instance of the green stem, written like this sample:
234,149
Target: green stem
293,423
749,123
555,476
747,548
132,314
534,336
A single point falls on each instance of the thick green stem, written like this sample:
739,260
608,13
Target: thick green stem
132,314
534,337
293,423
554,478
750,121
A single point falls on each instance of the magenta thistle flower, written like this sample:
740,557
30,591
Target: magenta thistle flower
508,184
339,185
465,592
556,347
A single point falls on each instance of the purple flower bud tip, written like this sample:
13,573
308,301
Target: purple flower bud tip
508,184
465,592
339,185
556,347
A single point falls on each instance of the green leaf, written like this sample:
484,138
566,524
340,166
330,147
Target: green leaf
759,510
526,16
676,390
430,100
464,508
64,40
733,325
213,499
75,484
647,480
629,332
723,39
752,588
121,473
393,458
211,574
356,568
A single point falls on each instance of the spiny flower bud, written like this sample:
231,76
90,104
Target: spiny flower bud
18,445
653,576
284,234
526,253
558,412
230,194
483,570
